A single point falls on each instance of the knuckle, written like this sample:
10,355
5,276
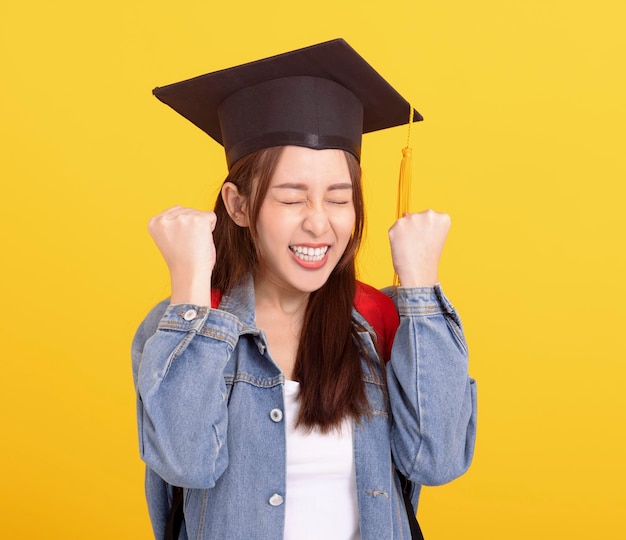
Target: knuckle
153,223
445,219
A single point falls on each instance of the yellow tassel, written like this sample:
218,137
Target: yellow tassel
404,183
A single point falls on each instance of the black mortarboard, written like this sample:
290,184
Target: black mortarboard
323,96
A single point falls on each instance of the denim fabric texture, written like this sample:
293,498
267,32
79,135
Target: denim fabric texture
209,399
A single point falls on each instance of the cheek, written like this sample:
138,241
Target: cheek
345,226
273,228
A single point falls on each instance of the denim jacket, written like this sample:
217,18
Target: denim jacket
210,415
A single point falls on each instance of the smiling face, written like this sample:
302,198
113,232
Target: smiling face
306,219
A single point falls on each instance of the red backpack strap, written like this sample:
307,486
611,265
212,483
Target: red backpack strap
381,313
216,298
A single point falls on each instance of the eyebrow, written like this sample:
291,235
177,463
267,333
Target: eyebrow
304,187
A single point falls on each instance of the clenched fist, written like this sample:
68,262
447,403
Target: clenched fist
185,238
416,244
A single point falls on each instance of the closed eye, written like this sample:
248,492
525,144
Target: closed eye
340,203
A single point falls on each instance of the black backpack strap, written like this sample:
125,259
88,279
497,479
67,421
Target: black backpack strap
416,532
175,519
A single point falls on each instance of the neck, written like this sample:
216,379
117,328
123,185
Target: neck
269,295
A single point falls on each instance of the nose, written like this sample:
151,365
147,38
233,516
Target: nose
316,221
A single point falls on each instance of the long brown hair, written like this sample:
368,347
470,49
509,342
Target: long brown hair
328,365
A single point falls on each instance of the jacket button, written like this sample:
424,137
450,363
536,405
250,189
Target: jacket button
276,415
190,315
276,500
261,346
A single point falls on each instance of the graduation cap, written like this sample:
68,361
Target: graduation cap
323,96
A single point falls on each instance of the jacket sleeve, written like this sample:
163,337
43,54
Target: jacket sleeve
432,397
179,353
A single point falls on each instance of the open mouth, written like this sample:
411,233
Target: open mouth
309,254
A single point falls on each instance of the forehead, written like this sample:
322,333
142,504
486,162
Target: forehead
301,164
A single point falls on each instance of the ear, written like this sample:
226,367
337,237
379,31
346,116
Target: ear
236,204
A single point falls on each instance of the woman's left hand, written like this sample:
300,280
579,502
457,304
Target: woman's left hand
417,241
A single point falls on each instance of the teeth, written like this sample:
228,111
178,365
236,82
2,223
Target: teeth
309,254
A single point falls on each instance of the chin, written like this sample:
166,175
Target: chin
309,283
310,286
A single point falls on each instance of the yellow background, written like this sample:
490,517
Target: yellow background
523,145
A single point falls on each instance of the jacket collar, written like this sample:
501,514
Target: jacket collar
240,302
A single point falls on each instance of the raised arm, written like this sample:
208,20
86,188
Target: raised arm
432,397
179,354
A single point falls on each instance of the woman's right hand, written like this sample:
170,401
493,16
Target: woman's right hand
185,238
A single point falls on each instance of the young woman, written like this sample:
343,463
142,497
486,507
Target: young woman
281,394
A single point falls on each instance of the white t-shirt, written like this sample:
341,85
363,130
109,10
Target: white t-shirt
321,501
